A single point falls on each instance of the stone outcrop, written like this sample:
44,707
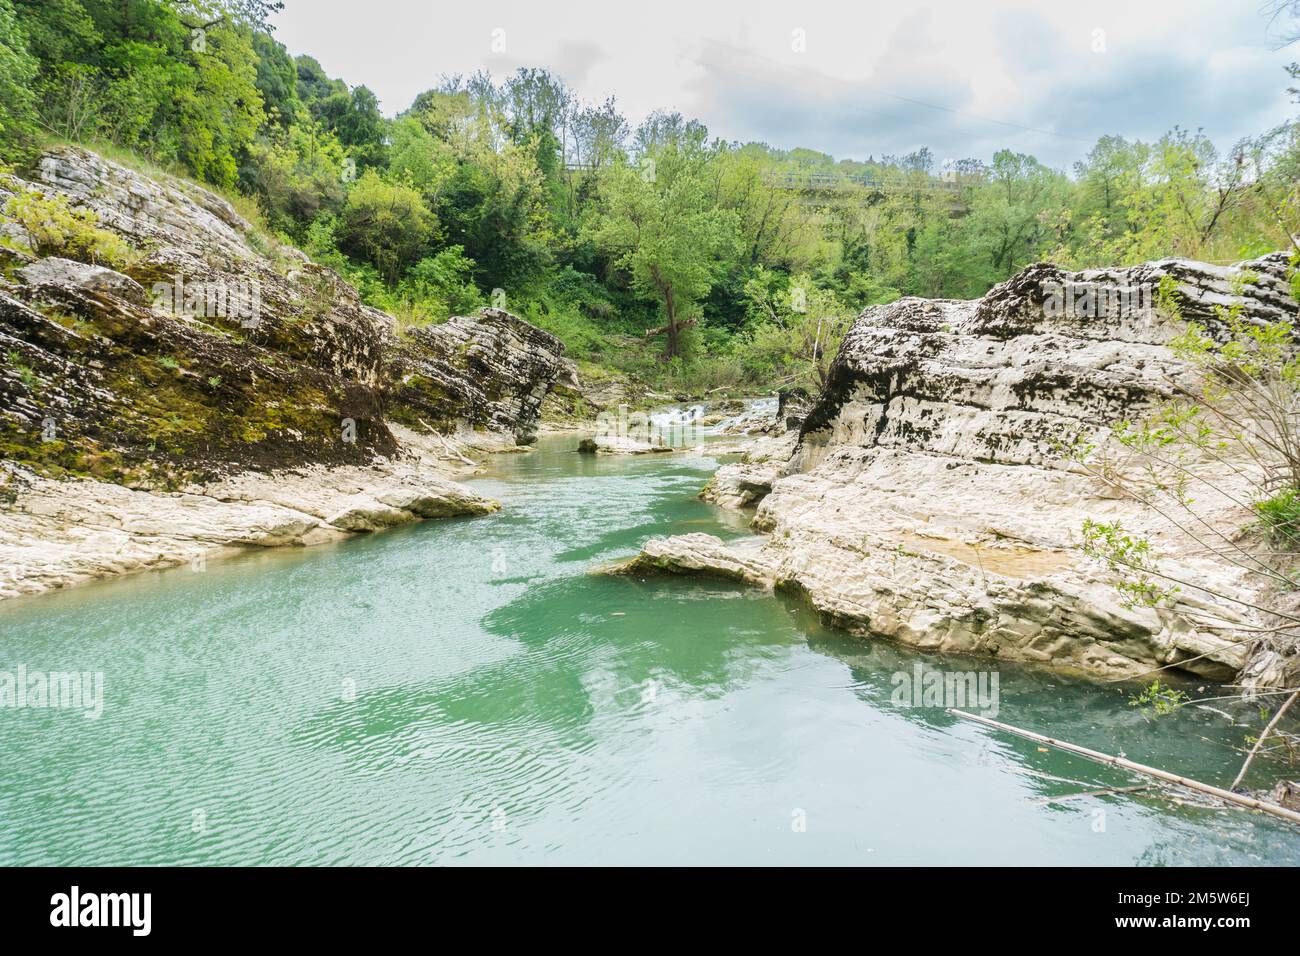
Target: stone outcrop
927,499
57,272
747,482
620,445
491,371
240,354
214,355
793,405
56,534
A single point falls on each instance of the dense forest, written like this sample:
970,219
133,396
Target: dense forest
658,250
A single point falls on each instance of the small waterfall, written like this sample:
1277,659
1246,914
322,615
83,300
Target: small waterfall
677,417
758,411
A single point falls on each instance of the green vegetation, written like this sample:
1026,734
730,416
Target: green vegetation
1157,700
660,252
1279,518
54,228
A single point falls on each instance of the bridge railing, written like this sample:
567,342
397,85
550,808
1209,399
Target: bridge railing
818,182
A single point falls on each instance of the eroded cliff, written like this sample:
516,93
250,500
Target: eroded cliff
928,498
217,389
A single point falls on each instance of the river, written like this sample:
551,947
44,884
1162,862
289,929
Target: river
463,691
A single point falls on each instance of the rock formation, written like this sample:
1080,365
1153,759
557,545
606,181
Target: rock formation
212,354
620,445
491,371
927,499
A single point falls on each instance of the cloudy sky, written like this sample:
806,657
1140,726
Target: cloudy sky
853,78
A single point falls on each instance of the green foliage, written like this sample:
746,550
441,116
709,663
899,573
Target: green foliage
296,175
277,81
17,101
54,228
25,372
519,186
1279,518
385,224
667,234
1134,560
1158,700
794,330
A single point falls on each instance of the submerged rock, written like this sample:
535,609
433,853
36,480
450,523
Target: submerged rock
927,499
619,445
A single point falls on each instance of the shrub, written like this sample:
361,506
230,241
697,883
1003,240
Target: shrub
1279,519
385,224
54,228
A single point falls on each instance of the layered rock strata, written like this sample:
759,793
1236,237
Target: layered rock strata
928,500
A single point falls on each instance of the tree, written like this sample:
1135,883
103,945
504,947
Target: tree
772,229
297,175
1010,214
277,80
17,103
313,82
536,101
354,117
667,234
598,134
385,224
218,116
661,129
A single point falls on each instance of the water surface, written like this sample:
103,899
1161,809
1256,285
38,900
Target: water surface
463,691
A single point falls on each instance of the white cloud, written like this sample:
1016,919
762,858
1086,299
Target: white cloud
962,77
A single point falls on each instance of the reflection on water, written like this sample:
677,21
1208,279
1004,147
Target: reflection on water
463,691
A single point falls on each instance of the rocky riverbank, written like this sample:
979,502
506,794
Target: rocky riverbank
926,498
216,390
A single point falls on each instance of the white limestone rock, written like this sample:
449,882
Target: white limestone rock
57,271
927,500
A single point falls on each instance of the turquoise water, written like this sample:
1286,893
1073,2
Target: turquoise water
464,692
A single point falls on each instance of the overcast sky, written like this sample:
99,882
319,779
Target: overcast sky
863,77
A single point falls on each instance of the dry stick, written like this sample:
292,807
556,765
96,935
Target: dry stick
1256,693
446,444
1201,587
1225,795
1151,503
1094,793
1260,739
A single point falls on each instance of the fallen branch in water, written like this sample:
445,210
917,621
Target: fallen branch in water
1226,795
1094,793
1260,739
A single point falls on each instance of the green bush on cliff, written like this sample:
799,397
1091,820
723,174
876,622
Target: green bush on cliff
54,228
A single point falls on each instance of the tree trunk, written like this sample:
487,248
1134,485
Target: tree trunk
670,308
